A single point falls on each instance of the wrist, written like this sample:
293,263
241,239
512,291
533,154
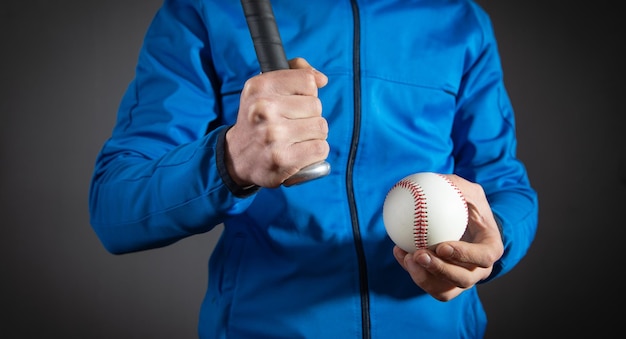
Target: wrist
226,169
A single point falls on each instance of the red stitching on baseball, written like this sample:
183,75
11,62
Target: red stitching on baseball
420,212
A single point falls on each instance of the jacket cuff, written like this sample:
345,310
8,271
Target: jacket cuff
238,191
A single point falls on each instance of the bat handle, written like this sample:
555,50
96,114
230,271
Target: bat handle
308,173
271,56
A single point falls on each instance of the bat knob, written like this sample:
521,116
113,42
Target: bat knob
308,173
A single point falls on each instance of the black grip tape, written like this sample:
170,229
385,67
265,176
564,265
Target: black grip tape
265,36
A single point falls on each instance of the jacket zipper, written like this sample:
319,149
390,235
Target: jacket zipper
356,232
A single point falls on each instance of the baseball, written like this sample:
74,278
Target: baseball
424,209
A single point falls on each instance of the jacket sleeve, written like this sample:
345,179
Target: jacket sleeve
157,179
485,149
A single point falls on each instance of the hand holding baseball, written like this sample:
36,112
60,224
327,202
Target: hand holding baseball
454,266
279,128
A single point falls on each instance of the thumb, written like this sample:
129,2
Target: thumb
300,63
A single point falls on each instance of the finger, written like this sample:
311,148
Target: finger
417,265
285,82
299,107
459,272
310,129
300,63
470,255
297,143
399,254
293,120
438,286
277,110
306,153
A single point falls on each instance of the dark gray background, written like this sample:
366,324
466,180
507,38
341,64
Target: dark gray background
66,63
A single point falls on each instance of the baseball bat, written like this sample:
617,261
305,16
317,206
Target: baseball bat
271,56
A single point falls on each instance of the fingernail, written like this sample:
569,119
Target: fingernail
445,250
408,258
424,259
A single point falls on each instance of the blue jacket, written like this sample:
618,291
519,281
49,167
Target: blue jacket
413,86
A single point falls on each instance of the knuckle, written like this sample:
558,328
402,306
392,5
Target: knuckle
260,110
322,125
309,79
317,105
478,189
273,133
322,148
280,161
252,86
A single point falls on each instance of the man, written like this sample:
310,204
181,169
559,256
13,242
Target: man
380,90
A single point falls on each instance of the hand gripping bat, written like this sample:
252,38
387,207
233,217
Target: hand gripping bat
271,56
